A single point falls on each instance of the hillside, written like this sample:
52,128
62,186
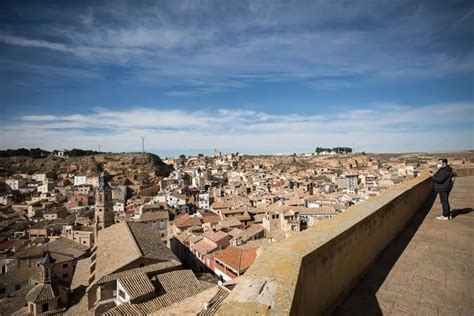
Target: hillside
86,165
340,162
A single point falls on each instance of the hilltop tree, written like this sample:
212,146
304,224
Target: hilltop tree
335,149
342,149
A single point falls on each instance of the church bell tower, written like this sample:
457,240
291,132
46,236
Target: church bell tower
104,214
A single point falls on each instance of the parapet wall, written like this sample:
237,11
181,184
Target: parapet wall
306,273
464,172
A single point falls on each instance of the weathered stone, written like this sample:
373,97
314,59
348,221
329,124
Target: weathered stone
311,269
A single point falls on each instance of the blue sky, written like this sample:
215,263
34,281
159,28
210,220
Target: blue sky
248,76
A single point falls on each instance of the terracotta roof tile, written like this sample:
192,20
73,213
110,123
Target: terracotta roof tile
215,236
116,247
204,246
237,259
251,231
122,243
81,274
41,292
210,218
177,285
152,268
20,275
137,285
184,220
153,216
231,222
148,241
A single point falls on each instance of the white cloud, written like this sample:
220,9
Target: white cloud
26,42
388,127
209,47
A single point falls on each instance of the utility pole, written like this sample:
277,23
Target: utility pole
99,148
143,144
354,148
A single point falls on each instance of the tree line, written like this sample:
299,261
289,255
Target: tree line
38,152
338,150
32,152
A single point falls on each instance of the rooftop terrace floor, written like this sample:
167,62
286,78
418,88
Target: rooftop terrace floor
428,269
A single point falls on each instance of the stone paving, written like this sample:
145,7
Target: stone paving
428,269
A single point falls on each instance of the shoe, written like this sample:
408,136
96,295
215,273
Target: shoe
443,218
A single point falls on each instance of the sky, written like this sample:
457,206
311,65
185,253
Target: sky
247,76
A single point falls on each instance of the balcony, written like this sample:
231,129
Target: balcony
222,268
385,256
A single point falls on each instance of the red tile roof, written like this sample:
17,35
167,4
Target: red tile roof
6,245
208,217
215,236
204,246
238,259
184,220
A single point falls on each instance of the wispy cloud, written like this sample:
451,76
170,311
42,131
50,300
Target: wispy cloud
211,47
385,127
468,15
34,43
274,56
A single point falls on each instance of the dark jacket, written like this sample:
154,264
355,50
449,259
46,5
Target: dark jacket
443,179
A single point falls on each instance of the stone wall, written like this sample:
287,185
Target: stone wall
464,172
306,273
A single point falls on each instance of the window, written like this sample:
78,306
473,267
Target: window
44,308
2,290
122,294
65,265
17,287
65,275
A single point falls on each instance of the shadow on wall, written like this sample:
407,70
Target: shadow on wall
76,295
362,300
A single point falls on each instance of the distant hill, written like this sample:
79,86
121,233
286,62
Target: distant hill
342,162
39,153
86,165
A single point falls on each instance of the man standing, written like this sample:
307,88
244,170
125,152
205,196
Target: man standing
443,183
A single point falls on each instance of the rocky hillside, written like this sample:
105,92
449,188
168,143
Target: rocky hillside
87,165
